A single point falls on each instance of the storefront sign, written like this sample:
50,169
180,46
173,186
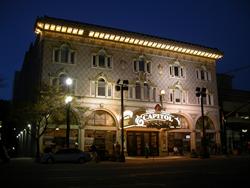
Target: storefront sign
157,120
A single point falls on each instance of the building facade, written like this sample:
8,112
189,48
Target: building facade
161,108
235,116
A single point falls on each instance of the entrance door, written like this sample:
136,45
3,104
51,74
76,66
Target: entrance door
136,142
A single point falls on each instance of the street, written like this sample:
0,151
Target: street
180,172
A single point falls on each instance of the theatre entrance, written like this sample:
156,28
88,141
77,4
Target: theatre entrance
136,142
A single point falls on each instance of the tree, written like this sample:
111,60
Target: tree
38,113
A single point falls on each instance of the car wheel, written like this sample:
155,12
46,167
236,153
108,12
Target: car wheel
81,160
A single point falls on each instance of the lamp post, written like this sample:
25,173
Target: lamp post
122,86
201,92
162,97
68,100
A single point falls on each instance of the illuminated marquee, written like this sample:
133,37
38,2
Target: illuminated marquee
157,120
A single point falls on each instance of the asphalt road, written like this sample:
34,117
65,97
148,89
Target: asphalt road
181,172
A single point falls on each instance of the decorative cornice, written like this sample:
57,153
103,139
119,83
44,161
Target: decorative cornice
123,37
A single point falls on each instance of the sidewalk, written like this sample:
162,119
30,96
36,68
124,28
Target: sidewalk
184,157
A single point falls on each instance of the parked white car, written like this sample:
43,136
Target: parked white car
66,155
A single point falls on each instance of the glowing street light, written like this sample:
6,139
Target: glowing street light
68,100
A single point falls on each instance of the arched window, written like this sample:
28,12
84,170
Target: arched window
208,124
142,65
102,60
101,88
101,118
64,55
177,95
176,70
203,74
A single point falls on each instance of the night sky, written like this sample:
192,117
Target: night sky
222,24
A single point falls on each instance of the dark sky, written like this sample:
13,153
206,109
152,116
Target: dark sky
222,24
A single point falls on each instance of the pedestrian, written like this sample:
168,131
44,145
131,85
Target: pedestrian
94,151
117,151
4,153
175,150
147,151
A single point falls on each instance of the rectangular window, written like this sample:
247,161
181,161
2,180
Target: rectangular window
64,55
176,71
94,61
177,96
102,61
72,57
56,55
141,66
148,67
171,97
101,88
197,74
135,66
202,75
138,91
109,62
182,75
146,92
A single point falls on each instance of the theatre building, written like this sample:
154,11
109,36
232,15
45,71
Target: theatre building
159,76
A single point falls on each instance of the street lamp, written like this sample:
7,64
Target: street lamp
68,100
162,94
122,86
201,92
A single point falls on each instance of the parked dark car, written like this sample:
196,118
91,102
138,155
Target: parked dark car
66,155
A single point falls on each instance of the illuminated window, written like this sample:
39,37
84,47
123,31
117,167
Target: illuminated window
142,65
102,60
203,74
64,55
